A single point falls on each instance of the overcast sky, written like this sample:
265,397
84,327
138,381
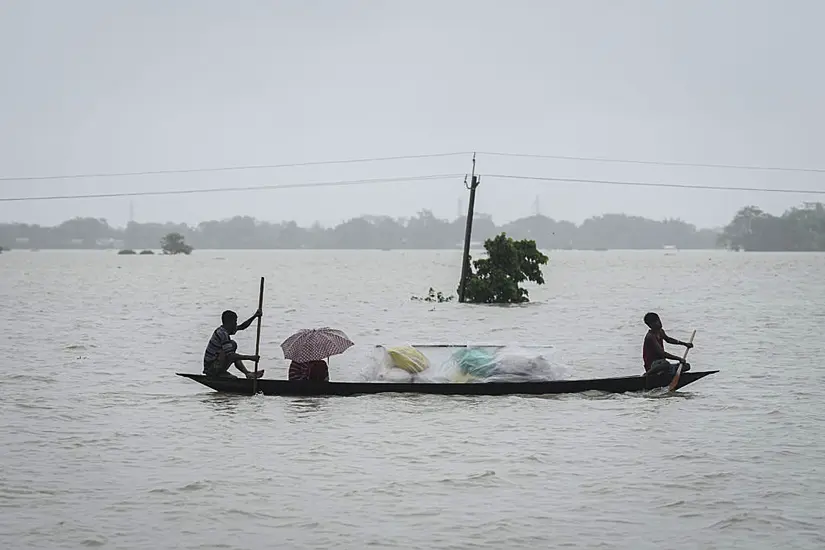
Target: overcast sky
96,86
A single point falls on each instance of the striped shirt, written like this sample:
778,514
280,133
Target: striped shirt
220,341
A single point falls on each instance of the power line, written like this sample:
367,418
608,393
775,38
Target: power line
652,184
659,162
409,179
230,189
227,168
400,157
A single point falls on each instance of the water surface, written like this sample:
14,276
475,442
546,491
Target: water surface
102,446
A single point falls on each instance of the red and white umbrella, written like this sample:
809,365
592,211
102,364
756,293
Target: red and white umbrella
315,344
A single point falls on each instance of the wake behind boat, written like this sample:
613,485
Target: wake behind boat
309,388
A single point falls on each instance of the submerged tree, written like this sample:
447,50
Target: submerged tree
496,279
173,244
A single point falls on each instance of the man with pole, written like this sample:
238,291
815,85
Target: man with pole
221,352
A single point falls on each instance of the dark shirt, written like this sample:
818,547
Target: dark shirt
312,370
650,352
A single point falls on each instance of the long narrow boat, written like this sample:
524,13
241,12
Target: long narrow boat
345,389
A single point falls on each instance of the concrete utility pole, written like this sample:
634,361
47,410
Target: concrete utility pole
468,232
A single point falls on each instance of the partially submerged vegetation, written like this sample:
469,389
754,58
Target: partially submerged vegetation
129,252
433,296
496,279
173,243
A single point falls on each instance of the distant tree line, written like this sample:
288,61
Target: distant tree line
751,229
424,231
799,229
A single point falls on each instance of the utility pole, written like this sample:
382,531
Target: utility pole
468,233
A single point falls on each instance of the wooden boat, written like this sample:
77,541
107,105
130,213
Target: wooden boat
344,389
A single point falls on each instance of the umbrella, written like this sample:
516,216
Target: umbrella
315,344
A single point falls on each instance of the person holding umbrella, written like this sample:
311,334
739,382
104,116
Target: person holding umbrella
308,350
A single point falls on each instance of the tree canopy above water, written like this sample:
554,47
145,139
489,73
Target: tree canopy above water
496,279
173,243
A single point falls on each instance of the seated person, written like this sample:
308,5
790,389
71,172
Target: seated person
653,351
221,352
316,371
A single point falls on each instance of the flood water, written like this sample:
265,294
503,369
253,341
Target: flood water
101,445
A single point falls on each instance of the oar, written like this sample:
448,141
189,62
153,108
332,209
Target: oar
258,339
675,381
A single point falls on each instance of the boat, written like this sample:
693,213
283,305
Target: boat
289,388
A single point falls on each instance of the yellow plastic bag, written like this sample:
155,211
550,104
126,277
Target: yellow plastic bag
409,359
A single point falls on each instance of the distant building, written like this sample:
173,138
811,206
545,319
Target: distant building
109,243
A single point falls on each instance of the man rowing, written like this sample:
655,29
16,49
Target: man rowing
653,351
221,352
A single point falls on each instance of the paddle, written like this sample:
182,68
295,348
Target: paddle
258,339
675,382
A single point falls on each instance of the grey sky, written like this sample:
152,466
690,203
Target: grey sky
105,86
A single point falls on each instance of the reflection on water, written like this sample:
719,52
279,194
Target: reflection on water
224,404
304,407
